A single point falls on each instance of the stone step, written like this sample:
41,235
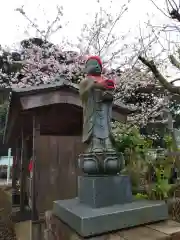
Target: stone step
166,230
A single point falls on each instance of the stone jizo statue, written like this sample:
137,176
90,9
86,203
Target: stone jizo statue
96,93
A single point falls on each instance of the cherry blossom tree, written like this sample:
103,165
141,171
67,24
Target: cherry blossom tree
38,61
43,62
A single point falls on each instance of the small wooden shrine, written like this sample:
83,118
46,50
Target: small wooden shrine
43,128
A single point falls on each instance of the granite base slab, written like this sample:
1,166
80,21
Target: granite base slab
87,221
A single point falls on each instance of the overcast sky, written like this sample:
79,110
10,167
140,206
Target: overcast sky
13,25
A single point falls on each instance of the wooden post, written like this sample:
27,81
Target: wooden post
18,170
22,207
14,174
14,167
9,165
24,170
35,231
36,133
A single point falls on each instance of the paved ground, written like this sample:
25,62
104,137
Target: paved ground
3,182
22,230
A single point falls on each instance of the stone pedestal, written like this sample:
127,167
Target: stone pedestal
105,204
104,191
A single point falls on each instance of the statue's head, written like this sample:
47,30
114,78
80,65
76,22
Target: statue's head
93,66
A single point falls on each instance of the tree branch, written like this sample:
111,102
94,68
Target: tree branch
50,27
151,65
174,61
21,11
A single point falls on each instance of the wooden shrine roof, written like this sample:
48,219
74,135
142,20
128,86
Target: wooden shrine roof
62,92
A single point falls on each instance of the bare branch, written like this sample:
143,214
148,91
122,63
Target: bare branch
43,34
113,26
151,65
99,38
164,13
174,61
171,4
56,20
21,11
175,80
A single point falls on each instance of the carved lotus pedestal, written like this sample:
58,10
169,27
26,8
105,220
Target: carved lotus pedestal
101,163
105,204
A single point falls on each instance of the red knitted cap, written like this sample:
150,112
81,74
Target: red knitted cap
97,58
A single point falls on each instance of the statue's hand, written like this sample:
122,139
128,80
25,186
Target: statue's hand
99,85
107,96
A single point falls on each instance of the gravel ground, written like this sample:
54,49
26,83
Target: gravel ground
6,232
6,225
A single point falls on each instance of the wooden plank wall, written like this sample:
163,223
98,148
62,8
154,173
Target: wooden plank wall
57,159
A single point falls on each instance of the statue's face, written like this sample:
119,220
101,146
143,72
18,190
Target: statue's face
93,67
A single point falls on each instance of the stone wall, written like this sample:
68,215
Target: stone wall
166,230
56,230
